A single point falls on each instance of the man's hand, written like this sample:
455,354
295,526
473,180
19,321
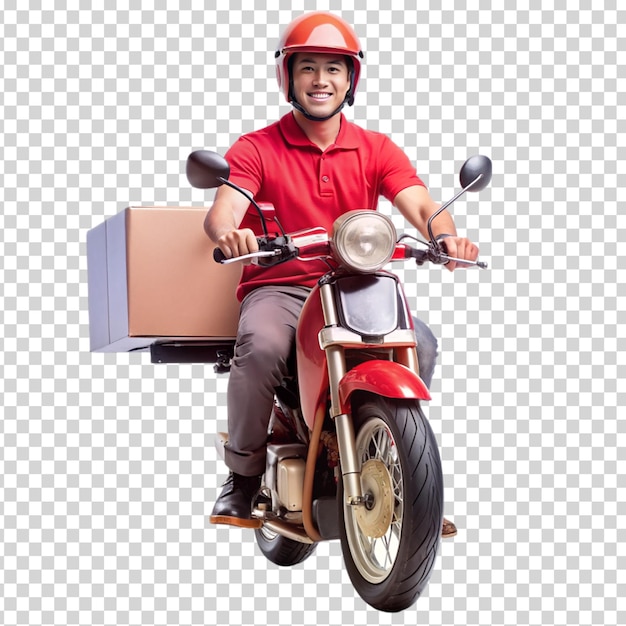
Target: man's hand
238,242
459,248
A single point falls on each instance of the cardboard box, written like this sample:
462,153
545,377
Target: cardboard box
152,278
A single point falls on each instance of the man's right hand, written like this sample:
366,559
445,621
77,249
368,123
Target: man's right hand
238,242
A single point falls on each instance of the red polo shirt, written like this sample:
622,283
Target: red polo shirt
308,187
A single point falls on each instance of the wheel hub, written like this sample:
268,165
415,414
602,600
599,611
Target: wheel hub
375,517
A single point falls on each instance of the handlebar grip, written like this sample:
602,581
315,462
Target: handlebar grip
218,255
420,256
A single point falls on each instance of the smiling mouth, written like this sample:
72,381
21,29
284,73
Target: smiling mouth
319,95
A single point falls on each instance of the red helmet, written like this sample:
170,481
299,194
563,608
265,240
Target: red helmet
322,33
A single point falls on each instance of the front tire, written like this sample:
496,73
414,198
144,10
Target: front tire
390,544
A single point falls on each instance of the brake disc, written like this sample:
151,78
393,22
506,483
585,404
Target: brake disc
374,517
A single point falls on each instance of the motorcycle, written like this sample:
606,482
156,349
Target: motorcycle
350,454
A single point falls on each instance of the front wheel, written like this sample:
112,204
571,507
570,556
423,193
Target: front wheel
390,542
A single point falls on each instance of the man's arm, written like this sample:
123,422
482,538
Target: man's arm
416,205
222,222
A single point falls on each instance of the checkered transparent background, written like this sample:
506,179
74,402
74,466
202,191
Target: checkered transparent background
107,470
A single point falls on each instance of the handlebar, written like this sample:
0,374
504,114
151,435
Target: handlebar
431,254
218,256
273,251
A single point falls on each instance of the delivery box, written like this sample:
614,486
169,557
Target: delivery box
152,280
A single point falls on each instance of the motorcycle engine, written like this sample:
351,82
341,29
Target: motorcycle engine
284,474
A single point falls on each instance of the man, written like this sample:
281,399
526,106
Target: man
312,165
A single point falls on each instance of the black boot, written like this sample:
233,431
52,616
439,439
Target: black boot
235,502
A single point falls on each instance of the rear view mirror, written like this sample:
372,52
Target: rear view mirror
206,169
475,167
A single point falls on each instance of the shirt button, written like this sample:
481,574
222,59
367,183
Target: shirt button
325,179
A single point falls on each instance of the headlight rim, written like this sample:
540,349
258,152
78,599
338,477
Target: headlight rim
344,223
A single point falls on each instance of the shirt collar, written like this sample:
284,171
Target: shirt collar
346,139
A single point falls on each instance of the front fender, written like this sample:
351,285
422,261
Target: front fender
384,378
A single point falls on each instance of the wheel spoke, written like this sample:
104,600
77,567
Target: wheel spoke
396,480
377,441
387,545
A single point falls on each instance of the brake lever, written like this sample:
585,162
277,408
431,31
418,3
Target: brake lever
439,257
273,252
480,264
252,255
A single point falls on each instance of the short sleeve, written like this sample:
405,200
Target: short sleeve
396,170
246,169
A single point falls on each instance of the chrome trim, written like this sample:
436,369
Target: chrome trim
338,336
407,356
336,363
287,530
335,358
349,463
331,317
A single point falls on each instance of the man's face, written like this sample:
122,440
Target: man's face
320,82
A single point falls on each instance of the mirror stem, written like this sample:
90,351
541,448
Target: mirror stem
447,204
226,182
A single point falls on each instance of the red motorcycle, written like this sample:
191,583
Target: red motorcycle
350,454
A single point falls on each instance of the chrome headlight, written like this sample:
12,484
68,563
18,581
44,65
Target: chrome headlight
363,241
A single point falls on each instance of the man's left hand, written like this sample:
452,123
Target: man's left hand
459,248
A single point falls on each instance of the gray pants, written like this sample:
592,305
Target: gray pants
267,327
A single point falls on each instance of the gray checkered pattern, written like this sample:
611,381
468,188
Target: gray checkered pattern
107,470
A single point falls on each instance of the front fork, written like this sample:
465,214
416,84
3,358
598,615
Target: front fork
336,361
